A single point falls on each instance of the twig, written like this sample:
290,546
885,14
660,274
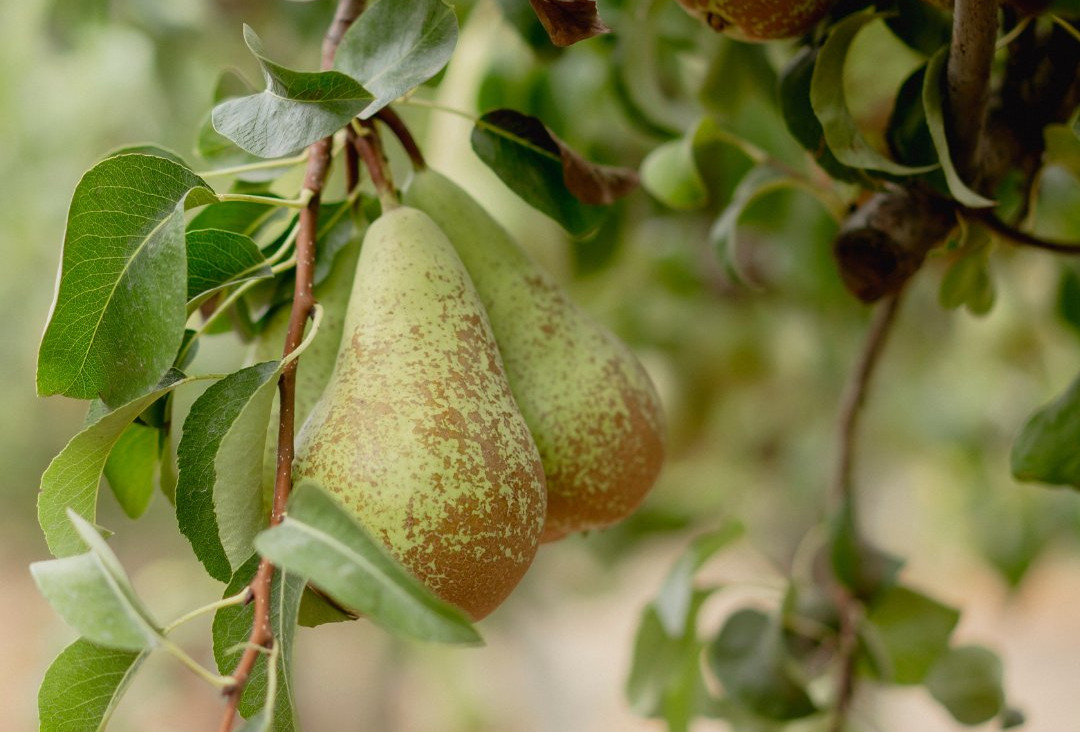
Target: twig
370,149
971,51
844,499
397,125
1023,238
317,168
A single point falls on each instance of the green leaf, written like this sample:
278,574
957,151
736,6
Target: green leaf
829,102
1063,147
130,468
82,686
968,282
396,46
242,217
119,312
321,541
217,258
670,175
522,152
92,593
967,682
1046,448
336,227
859,565
72,478
935,120
799,114
296,109
1068,303
920,25
675,599
913,630
148,149
219,500
749,659
231,630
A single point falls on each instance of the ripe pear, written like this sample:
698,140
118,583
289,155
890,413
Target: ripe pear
592,409
417,432
758,20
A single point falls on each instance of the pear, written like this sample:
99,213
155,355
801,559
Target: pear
758,20
417,432
591,407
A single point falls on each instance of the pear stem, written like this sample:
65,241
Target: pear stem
369,146
318,165
390,118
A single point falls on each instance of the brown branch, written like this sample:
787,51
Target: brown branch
352,160
971,51
843,496
1023,238
369,147
318,166
397,125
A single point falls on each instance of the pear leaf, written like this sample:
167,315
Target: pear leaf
935,120
296,108
231,630
119,313
92,593
82,686
321,541
913,630
569,21
1045,450
218,258
72,478
829,102
396,46
967,682
675,599
219,499
130,468
546,173
670,175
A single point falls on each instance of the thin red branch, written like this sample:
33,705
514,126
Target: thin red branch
401,131
262,636
369,147
1022,238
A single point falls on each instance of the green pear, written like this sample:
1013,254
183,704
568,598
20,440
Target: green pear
417,432
592,409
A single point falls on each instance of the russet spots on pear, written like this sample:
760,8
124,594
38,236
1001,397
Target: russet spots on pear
589,404
417,431
758,20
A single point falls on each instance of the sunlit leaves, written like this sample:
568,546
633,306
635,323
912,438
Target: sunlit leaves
72,478
82,686
545,172
92,594
1046,448
219,502
319,540
396,46
119,312
296,108
829,103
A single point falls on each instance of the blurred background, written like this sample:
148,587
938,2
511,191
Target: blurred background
750,373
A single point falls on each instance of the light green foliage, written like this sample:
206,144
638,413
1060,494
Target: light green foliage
82,686
967,681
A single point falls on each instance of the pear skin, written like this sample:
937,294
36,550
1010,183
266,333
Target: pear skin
417,432
592,410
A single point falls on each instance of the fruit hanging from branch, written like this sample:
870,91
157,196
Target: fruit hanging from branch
417,432
758,20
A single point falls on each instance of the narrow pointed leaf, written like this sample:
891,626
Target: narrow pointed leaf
92,593
321,541
296,108
935,120
219,502
82,686
1046,448
829,102
396,46
130,468
217,258
72,478
232,627
119,311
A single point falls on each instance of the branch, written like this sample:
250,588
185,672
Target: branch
317,168
971,52
397,125
1022,238
369,147
844,499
